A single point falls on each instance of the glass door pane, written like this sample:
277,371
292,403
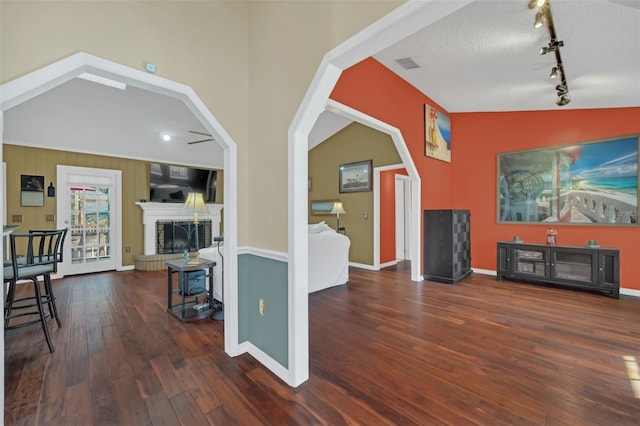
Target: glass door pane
531,261
90,224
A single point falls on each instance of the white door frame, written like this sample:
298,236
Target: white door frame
405,20
376,213
48,77
403,205
116,212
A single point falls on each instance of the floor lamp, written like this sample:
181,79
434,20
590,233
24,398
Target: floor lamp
195,204
338,209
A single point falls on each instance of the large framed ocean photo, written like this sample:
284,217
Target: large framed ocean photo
586,183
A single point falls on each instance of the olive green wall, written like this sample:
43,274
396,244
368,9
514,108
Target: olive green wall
352,144
42,162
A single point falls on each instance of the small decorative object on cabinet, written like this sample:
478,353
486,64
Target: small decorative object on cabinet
587,268
447,245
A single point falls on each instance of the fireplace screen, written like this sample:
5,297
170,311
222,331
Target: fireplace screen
176,236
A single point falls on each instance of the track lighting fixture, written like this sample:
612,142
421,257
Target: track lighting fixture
543,16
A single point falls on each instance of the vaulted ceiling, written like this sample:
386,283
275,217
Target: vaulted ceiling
483,57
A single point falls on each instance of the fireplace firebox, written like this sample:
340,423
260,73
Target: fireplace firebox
176,236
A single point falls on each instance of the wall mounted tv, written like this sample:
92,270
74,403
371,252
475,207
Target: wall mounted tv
172,184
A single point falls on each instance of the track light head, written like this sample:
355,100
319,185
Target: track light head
539,19
562,89
563,100
554,72
536,3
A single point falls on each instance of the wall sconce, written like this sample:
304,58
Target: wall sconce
51,190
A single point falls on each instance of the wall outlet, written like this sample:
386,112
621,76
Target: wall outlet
16,218
261,307
50,217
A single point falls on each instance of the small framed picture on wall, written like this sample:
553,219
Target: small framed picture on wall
355,177
31,191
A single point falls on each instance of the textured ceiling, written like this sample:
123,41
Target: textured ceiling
483,57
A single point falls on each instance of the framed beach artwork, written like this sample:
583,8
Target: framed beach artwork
322,206
586,183
437,134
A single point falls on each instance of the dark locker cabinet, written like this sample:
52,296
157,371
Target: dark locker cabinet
447,245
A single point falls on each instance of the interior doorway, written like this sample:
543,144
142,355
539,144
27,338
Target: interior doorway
403,209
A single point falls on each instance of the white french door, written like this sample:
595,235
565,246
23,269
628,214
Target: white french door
88,204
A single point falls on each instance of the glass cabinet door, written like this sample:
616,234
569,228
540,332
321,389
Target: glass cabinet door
531,261
574,265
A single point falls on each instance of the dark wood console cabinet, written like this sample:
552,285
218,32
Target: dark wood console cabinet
586,268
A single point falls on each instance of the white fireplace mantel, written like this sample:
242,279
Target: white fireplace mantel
153,212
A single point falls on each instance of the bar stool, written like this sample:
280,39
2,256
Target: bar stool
58,248
40,260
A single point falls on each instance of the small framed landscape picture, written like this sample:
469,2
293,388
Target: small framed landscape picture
355,177
31,191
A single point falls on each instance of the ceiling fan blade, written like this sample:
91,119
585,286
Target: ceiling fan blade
203,140
199,133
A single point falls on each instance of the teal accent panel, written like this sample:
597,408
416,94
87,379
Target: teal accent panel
266,279
243,298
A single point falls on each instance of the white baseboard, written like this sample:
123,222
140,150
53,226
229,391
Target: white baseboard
484,271
274,366
363,266
126,268
626,291
387,264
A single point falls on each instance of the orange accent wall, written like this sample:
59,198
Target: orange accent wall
388,214
479,137
469,182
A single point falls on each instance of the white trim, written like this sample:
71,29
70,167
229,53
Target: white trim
376,209
630,292
126,268
387,264
364,266
407,163
400,23
46,78
273,365
269,254
484,271
112,178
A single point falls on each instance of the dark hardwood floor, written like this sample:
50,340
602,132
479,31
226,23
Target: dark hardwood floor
384,350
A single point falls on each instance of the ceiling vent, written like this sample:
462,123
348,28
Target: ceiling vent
407,63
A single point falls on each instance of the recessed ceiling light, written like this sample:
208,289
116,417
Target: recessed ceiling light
166,137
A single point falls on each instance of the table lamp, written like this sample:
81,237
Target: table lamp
195,204
338,209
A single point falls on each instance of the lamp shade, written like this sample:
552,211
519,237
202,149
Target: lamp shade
195,203
337,208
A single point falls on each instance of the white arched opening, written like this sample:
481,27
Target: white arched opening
400,23
44,79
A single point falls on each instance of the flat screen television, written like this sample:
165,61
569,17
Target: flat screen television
172,184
